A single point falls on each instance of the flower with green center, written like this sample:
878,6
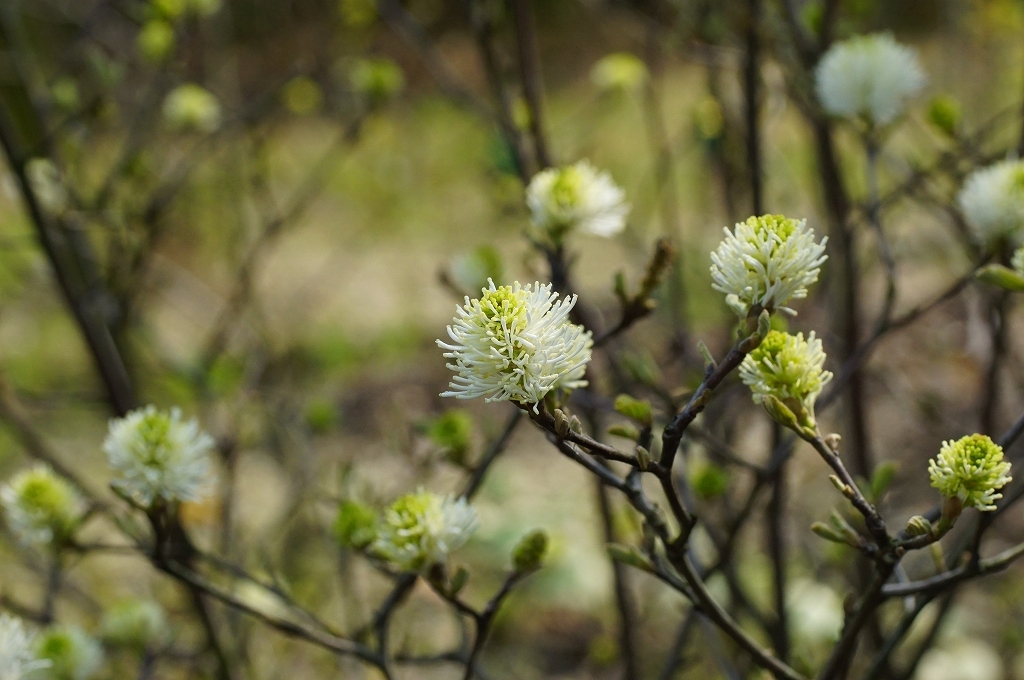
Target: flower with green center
765,262
971,469
516,343
421,529
191,107
73,655
992,200
136,623
18,658
158,456
871,76
790,369
619,72
41,507
576,197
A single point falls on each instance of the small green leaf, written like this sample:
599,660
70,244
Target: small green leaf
882,479
624,431
636,409
529,553
1001,277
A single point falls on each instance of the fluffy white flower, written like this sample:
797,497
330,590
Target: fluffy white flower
156,455
766,261
870,75
971,469
73,655
516,343
18,660
40,506
421,529
576,196
992,200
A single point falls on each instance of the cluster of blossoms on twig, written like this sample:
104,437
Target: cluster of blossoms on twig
421,529
871,76
576,197
972,470
992,200
157,455
71,652
785,374
516,343
765,262
41,507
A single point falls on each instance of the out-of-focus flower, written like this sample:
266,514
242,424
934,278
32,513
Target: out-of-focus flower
766,261
421,529
158,456
40,506
302,95
871,76
971,469
136,623
73,655
992,200
962,659
378,79
18,658
790,369
45,180
619,72
156,40
576,197
516,343
815,612
192,107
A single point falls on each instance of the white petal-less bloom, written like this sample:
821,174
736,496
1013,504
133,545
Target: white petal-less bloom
787,367
516,343
871,76
576,197
156,455
421,529
18,659
766,261
992,200
72,653
40,506
971,469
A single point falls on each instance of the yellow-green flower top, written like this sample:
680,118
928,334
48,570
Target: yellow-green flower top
788,368
41,507
421,529
971,469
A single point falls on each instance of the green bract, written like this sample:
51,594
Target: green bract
971,469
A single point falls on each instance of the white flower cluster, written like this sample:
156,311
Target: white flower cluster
18,659
72,653
871,76
158,456
516,343
576,197
40,506
421,529
766,261
992,200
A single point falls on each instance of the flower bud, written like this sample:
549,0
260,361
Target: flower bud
561,423
529,554
918,526
355,526
636,409
631,556
643,458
